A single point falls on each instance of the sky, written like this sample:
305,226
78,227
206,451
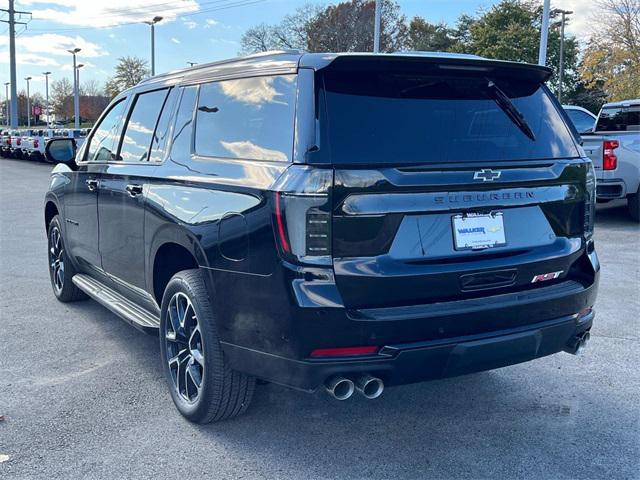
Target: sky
191,31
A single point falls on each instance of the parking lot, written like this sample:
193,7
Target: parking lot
83,395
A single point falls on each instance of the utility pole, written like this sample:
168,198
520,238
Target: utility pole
561,73
376,27
544,33
76,87
153,22
28,103
46,89
12,58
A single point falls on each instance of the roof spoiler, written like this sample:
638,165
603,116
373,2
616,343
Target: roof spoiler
429,63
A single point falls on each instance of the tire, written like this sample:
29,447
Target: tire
190,352
633,204
61,270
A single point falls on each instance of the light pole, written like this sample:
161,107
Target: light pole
6,96
77,78
376,27
46,89
153,22
28,103
76,94
564,13
544,33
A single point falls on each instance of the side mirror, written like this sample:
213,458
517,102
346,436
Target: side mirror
61,150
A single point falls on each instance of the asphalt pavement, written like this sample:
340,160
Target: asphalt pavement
83,396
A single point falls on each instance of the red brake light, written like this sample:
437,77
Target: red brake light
609,159
35,143
280,222
19,141
344,351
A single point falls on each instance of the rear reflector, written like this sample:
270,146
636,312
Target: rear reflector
585,311
344,351
609,158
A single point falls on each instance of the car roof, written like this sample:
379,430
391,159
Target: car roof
288,61
623,103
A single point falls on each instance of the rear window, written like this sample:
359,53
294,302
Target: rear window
619,119
404,118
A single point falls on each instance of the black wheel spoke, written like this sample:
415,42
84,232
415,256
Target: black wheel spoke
56,259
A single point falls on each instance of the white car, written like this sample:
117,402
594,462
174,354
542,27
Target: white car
33,146
582,119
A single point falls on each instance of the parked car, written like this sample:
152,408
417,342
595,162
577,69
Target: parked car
35,144
614,148
352,221
582,119
5,142
16,144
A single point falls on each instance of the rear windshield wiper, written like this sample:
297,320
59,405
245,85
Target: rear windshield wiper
510,109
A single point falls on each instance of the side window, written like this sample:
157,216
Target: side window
181,143
103,143
250,118
161,135
140,126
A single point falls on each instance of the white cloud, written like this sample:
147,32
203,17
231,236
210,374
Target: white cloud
175,40
29,59
583,21
212,22
54,44
101,13
190,24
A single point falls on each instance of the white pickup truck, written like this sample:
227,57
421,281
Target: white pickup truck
614,148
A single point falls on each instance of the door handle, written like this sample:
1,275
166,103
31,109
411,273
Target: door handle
92,184
134,190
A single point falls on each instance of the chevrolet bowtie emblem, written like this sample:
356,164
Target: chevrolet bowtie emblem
487,175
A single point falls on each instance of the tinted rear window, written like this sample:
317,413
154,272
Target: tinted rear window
389,118
619,119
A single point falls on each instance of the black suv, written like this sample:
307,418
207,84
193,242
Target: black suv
340,220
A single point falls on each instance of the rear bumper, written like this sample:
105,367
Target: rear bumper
415,362
610,189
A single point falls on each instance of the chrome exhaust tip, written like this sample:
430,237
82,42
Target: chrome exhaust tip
340,388
370,387
578,345
582,343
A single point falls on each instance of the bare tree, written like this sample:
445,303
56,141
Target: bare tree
129,72
60,98
91,88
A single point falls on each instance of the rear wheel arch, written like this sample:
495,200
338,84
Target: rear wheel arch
50,211
169,258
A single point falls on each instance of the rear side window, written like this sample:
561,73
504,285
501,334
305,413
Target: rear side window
404,118
161,135
249,118
103,142
619,119
141,125
581,120
183,128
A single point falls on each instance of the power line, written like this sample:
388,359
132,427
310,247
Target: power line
238,3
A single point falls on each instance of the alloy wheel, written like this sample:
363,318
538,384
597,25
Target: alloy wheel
185,353
56,259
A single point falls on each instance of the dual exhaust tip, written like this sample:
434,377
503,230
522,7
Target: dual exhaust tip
342,388
578,345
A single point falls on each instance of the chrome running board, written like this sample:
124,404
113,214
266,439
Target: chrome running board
117,303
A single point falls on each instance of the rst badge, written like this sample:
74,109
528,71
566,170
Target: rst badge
543,277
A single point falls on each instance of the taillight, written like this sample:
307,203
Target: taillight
609,159
589,202
18,141
302,215
35,143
